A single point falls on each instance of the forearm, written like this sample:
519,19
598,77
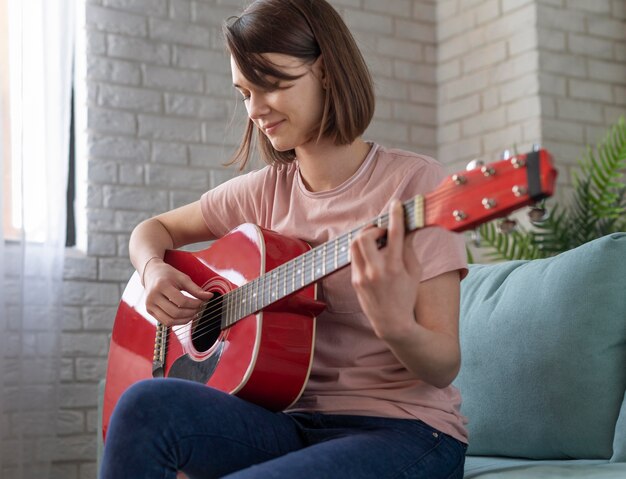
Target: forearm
148,240
434,357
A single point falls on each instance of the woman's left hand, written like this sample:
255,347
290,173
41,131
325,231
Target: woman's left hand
387,280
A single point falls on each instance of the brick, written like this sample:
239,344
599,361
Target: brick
169,153
564,64
399,8
455,26
552,84
602,7
100,318
368,22
172,79
483,122
114,269
176,129
487,11
417,31
83,293
562,130
96,43
425,11
99,219
102,172
79,267
399,49
410,113
132,175
201,59
114,71
466,85
609,28
145,7
70,422
137,99
463,151
586,90
607,71
560,19
388,132
111,121
138,49
523,109
91,369
100,244
134,198
458,109
424,94
590,46
121,148
390,89
180,10
211,15
183,33
209,156
195,106
524,86
483,57
111,21
552,40
177,178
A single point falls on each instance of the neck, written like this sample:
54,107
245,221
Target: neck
325,166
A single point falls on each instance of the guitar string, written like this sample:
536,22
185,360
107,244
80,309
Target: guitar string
433,200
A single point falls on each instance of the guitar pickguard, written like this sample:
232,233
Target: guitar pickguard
199,371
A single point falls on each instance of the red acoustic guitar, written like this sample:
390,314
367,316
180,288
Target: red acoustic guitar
255,337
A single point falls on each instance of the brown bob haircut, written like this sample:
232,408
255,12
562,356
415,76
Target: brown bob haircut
304,29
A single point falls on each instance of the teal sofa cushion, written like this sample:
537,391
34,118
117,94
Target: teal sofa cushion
544,354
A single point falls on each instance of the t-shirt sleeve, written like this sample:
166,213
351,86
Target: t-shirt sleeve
439,250
237,201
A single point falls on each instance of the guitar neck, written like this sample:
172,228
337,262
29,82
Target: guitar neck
308,268
461,202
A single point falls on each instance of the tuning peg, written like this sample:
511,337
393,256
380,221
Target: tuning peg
538,214
507,225
536,147
505,155
474,164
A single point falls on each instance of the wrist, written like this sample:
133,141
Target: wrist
145,267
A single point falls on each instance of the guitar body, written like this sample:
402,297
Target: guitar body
264,357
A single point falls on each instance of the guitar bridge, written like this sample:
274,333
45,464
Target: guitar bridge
160,346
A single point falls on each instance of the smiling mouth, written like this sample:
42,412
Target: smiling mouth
272,127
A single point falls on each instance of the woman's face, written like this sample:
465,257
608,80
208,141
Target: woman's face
289,115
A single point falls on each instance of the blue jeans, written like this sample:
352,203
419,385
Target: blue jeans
161,426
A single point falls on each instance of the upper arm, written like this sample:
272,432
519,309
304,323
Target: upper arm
185,225
437,304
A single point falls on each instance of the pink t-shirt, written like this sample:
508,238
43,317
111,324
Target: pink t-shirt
353,371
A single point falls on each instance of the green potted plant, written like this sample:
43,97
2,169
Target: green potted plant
597,208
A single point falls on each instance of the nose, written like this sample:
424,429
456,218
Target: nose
257,106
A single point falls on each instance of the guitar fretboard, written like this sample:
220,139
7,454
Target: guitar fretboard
307,268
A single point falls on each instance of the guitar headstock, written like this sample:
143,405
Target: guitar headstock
468,198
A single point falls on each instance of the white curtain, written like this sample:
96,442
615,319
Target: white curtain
31,262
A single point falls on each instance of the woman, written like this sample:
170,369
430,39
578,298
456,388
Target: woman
379,401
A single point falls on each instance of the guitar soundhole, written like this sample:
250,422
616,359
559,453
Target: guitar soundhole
207,329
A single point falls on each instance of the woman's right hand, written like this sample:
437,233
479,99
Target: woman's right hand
171,296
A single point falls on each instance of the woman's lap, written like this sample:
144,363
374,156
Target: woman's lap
161,426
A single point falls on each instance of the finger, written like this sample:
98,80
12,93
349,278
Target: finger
395,235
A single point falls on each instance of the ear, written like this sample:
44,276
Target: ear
319,70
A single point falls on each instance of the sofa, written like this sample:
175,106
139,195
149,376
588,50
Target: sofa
543,376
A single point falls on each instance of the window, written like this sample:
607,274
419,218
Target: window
5,132
29,113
